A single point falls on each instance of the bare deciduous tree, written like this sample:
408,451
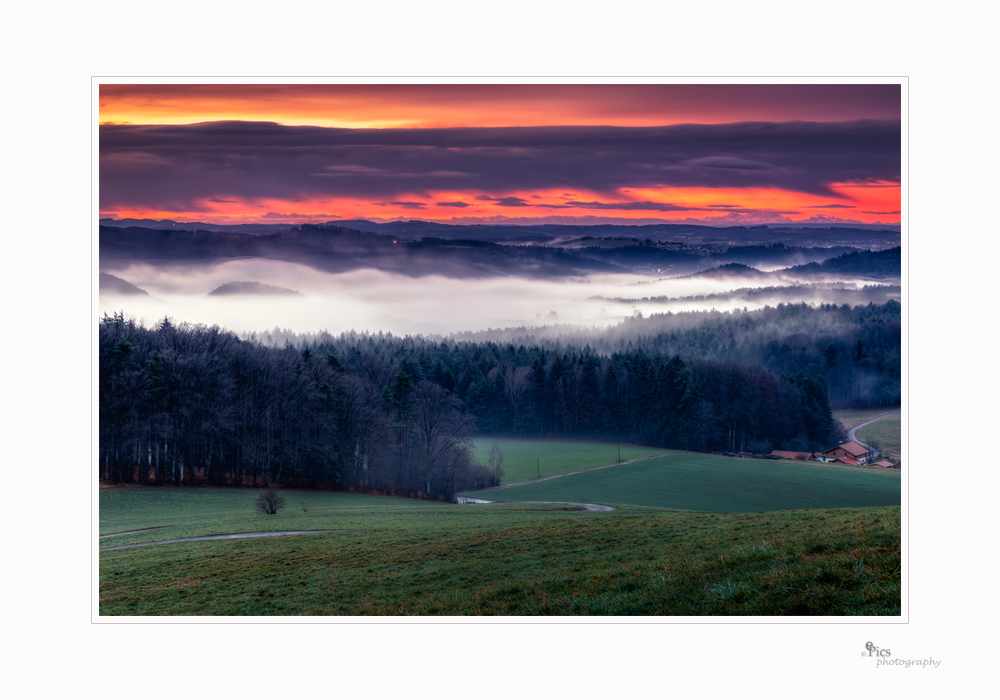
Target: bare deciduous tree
496,462
269,502
440,429
876,446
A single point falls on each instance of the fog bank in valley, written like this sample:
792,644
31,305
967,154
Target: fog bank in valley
373,300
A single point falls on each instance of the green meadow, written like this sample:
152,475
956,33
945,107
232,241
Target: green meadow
887,435
851,417
195,511
700,482
393,556
527,459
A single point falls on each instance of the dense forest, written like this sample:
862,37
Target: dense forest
183,404
855,349
189,404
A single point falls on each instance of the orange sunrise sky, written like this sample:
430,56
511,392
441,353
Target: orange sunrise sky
718,154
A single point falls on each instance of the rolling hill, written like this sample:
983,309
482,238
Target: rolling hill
236,288
109,284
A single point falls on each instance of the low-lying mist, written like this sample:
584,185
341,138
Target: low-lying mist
758,297
372,300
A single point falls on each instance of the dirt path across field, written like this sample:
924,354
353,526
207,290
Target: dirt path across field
589,506
132,532
853,438
237,536
559,476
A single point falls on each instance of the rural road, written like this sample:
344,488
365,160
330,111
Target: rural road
132,532
559,476
853,438
589,506
464,500
237,536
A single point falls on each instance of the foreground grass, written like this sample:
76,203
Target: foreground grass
526,560
887,434
719,484
525,459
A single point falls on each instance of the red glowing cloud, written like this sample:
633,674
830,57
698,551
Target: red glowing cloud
866,204
717,153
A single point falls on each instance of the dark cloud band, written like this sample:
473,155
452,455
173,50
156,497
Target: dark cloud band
172,167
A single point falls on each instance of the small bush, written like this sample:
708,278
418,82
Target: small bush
269,502
478,477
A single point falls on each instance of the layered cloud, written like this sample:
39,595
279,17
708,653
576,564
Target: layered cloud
194,167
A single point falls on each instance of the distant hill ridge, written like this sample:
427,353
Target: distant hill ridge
339,249
797,234
232,288
336,249
734,270
878,263
109,284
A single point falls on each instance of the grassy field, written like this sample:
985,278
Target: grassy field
192,512
439,559
556,456
853,417
887,435
717,484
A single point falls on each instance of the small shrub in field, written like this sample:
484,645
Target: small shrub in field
480,477
269,502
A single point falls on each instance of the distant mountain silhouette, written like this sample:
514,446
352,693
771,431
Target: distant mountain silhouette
791,234
171,225
339,249
232,288
109,284
333,248
729,270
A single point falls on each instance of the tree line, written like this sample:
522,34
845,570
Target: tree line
190,404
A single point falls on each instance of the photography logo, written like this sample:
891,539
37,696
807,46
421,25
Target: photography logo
883,657
873,650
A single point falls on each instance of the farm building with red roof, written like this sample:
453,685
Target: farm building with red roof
847,460
849,450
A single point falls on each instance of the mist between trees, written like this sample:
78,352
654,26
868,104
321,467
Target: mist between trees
857,350
189,404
